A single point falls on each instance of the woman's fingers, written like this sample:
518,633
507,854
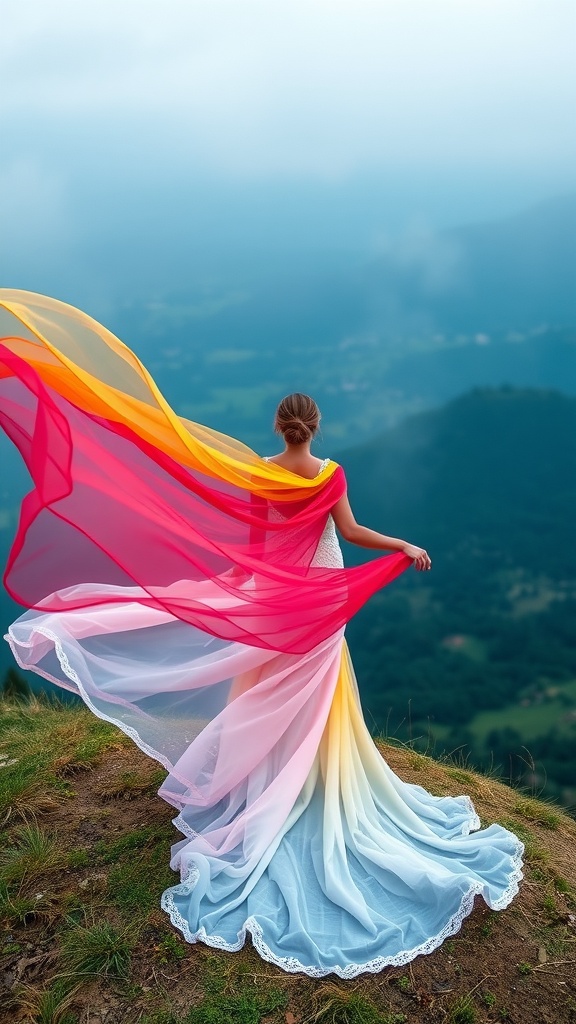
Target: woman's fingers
421,557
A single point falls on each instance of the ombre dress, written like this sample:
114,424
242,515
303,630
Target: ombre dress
195,595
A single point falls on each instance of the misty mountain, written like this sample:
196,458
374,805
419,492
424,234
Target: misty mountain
511,275
515,274
487,484
435,314
481,478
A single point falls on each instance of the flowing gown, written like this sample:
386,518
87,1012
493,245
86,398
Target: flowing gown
239,681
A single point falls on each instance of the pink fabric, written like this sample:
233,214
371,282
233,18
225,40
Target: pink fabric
109,508
194,616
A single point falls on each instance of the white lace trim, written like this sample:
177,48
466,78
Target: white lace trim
251,926
73,676
328,552
294,966
472,822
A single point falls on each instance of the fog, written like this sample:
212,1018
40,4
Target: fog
148,147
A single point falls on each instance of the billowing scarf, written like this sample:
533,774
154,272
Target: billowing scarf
129,495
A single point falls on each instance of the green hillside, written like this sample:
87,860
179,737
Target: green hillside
479,654
86,858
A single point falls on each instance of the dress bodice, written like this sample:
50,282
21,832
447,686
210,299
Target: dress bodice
328,554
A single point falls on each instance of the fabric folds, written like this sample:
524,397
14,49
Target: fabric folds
135,496
295,830
189,592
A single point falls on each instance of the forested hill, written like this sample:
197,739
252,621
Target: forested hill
479,652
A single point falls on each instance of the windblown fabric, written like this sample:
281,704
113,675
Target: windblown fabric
132,494
182,586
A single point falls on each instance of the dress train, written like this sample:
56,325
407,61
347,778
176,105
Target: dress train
295,829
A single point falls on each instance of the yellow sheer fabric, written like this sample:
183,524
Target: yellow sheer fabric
92,369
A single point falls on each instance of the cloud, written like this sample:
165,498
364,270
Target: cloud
433,260
32,203
146,142
309,88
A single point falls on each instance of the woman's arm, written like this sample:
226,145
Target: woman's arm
354,533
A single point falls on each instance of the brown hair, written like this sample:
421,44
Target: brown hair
297,418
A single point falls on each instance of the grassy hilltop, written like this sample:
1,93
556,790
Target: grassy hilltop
86,855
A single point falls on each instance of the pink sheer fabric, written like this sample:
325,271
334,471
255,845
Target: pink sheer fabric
205,550
173,581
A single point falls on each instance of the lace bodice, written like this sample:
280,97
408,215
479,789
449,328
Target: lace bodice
328,553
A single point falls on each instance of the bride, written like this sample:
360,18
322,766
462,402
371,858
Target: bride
194,594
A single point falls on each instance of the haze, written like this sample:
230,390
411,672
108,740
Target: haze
148,146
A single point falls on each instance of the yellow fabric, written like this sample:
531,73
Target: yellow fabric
91,368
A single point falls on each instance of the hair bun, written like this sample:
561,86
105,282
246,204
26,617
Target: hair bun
297,418
296,431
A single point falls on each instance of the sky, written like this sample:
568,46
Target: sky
138,136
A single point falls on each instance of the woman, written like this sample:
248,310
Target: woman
194,594
297,419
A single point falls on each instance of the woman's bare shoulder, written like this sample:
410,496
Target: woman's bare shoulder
308,468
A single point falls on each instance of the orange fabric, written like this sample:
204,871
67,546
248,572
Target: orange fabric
92,369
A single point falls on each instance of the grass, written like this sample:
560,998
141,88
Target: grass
98,949
50,1004
560,884
170,950
558,941
417,762
78,858
525,968
32,853
233,995
91,897
534,851
140,868
27,863
462,1011
62,731
549,905
462,776
44,741
18,908
109,851
530,720
28,787
538,811
335,1005
135,887
131,784
161,1017
244,1007
488,925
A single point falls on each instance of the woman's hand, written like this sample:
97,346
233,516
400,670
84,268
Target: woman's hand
354,533
420,556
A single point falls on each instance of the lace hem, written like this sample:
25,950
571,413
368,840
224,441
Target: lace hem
251,926
472,822
294,966
73,676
